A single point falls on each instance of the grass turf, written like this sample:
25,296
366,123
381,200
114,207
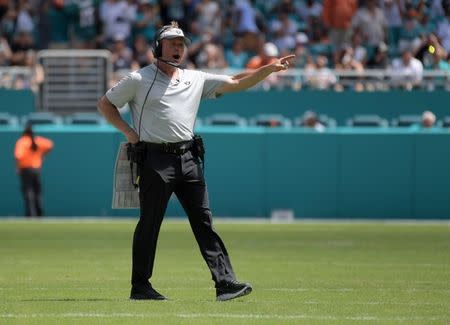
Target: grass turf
325,273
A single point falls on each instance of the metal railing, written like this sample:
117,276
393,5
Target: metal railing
73,79
15,77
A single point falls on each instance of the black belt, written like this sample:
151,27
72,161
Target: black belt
177,148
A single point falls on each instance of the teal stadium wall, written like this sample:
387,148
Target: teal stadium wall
342,173
289,103
17,102
339,105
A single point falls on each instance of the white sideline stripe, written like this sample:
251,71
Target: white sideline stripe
231,220
261,289
213,315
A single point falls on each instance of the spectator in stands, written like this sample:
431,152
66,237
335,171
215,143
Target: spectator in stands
284,31
244,22
181,11
4,6
410,32
268,54
311,120
122,55
24,22
43,26
320,76
5,52
36,72
29,153
428,119
380,58
227,36
392,10
337,16
85,18
199,40
142,54
303,56
117,17
58,21
443,28
370,20
236,57
209,16
431,52
147,19
8,23
211,57
23,42
348,62
309,9
407,71
359,50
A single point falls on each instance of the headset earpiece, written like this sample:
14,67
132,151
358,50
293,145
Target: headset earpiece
157,49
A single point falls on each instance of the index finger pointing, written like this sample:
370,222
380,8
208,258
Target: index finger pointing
287,58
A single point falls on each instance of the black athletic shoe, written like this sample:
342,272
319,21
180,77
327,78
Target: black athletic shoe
232,289
145,293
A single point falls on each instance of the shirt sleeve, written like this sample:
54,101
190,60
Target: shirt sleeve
44,144
19,150
124,91
211,83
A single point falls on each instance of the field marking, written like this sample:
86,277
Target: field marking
232,220
259,289
222,315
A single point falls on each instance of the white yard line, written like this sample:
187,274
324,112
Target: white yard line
223,315
230,220
259,289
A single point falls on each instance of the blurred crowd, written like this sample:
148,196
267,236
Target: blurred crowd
406,36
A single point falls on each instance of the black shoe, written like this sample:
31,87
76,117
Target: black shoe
232,289
145,293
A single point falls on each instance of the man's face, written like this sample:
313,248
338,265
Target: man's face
173,49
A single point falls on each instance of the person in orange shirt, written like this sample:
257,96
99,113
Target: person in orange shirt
337,16
267,55
29,153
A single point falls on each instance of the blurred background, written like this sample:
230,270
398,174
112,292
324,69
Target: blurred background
358,128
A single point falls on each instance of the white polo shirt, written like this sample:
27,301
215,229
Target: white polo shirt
171,107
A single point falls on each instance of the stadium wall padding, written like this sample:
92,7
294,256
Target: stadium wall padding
343,173
17,102
338,105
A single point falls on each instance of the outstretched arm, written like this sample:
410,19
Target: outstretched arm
248,79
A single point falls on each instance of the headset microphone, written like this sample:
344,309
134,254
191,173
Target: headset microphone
176,65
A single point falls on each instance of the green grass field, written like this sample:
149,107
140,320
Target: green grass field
322,273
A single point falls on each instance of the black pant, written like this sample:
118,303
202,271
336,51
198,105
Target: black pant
32,191
163,174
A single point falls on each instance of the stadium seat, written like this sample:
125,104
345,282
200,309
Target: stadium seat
8,119
323,119
85,118
445,122
271,120
42,118
367,121
406,120
226,119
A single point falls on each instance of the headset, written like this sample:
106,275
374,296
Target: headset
157,48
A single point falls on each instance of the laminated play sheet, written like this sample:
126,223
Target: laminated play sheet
125,195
